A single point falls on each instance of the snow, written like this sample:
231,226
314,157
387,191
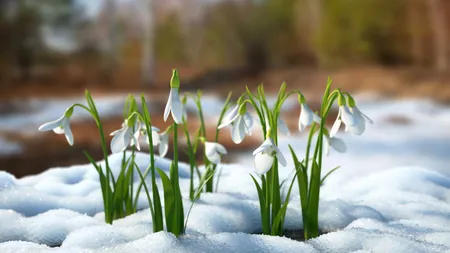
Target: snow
391,194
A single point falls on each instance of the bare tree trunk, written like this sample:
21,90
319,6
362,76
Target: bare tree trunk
148,58
314,8
439,29
414,19
109,42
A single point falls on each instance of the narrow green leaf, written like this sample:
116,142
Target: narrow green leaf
278,222
302,180
197,196
265,218
329,173
169,201
149,199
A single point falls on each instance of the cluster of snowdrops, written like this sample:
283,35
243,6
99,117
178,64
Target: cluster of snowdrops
120,194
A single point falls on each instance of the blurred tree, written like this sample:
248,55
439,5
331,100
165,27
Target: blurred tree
32,23
170,40
439,31
147,17
109,40
416,30
356,31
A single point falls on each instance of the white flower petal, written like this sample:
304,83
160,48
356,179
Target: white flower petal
209,148
263,162
338,145
335,127
357,129
68,133
52,124
249,123
155,139
213,151
214,158
238,130
121,140
221,149
230,117
164,144
58,130
306,115
264,146
115,132
280,157
176,107
168,106
366,118
347,117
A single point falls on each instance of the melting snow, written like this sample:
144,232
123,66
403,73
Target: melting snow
392,194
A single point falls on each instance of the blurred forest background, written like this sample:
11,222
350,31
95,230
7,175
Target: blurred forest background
51,50
130,44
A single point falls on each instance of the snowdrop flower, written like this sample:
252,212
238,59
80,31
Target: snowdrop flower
241,122
264,156
335,143
126,136
174,104
307,116
213,151
161,140
344,115
361,120
155,135
60,126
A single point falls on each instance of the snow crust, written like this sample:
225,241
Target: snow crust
392,194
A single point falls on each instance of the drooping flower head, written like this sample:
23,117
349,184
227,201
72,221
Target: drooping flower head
265,155
307,116
344,115
361,118
174,105
241,122
128,135
214,151
159,139
61,126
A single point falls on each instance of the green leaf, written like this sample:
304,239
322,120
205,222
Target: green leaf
149,199
278,222
104,185
313,205
329,173
169,201
302,180
197,196
265,216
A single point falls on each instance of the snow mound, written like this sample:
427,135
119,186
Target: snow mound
392,194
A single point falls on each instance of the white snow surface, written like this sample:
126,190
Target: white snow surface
392,194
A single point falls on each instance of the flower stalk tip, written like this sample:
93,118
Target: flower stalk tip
175,80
